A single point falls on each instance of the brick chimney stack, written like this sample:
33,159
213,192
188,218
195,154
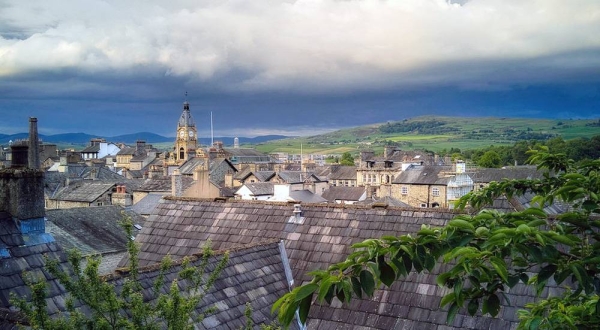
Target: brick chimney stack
34,152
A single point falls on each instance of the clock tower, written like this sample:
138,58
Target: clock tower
186,141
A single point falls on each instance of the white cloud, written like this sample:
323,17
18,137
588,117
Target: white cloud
304,44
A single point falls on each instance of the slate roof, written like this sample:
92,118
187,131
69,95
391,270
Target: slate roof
306,196
127,151
254,274
146,205
163,184
83,191
247,155
343,193
487,175
263,176
424,175
323,236
260,188
297,176
89,149
383,201
190,165
339,172
17,258
91,230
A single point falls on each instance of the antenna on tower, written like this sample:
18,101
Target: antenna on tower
186,96
212,137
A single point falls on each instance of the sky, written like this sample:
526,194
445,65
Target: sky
292,67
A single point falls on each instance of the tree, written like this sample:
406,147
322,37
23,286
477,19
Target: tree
488,252
347,159
124,306
490,159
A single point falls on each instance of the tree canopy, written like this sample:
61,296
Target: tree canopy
347,159
485,252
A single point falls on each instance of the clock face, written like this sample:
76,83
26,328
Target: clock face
181,133
191,133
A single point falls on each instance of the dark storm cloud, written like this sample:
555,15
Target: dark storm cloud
111,67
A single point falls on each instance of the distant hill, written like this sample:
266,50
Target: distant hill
84,139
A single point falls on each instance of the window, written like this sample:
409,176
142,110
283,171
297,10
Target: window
423,205
404,190
435,192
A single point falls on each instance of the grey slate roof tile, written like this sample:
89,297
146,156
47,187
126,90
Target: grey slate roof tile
323,238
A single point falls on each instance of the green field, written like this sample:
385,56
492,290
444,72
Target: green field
437,133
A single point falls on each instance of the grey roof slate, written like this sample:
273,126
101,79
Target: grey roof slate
254,274
92,230
127,151
260,188
23,258
426,175
297,176
263,176
146,205
339,172
343,193
487,175
163,184
384,201
180,226
83,191
90,149
306,196
190,165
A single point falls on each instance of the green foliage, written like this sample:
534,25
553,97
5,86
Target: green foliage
347,159
487,252
123,307
490,159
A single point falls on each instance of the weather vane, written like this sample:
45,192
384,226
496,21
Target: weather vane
186,95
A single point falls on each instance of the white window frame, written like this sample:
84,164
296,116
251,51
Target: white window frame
435,192
404,190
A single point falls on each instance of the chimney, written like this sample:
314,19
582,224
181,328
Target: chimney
297,217
388,151
34,152
140,145
176,183
19,152
22,195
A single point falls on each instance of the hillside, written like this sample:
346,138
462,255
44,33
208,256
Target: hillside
436,133
80,140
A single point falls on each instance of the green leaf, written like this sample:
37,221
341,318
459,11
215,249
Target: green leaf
546,272
561,239
305,291
452,313
461,224
367,282
356,287
324,289
447,299
500,267
442,278
535,323
304,308
473,307
491,305
512,280
387,274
